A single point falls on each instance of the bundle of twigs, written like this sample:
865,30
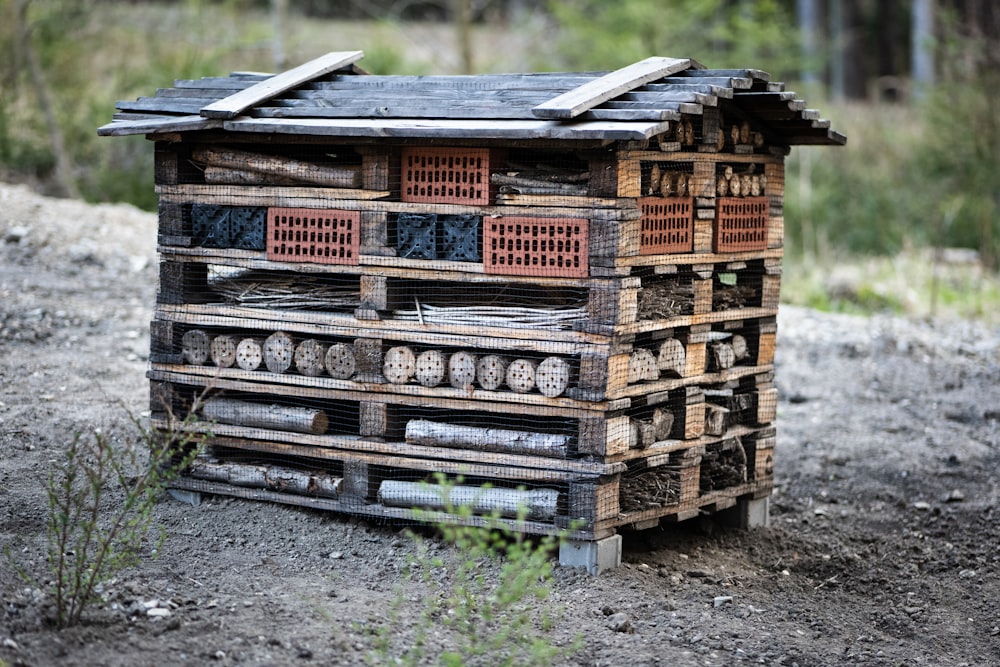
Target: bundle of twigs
300,293
725,297
659,487
495,316
665,300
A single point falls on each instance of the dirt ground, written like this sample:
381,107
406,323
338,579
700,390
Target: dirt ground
883,548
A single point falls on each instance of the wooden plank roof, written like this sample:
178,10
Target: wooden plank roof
331,96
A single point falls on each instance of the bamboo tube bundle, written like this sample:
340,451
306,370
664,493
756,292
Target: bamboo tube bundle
250,354
672,358
521,375
461,370
552,376
256,290
642,366
400,365
223,351
536,504
491,371
495,316
429,368
665,300
259,415
195,347
279,352
340,361
435,434
310,355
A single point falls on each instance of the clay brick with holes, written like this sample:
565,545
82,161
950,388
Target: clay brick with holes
667,225
445,175
741,224
313,235
522,246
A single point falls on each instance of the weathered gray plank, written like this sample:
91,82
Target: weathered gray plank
560,82
163,105
168,124
237,103
737,73
708,89
602,89
452,129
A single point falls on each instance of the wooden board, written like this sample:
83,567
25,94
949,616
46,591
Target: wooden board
237,103
571,104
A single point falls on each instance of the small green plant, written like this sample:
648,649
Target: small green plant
478,603
92,533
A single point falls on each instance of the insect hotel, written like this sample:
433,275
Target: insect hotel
549,297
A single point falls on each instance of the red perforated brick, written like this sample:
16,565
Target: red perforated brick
524,246
313,235
667,225
445,175
741,223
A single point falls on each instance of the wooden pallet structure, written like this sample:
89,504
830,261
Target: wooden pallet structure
558,292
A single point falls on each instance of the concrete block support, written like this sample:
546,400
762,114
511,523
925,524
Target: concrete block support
597,556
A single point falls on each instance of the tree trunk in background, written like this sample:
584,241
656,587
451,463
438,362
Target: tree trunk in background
922,56
463,24
64,171
807,12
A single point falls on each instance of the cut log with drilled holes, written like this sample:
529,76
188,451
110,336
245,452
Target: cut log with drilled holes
535,504
721,356
250,354
461,370
552,376
399,365
521,375
195,347
310,355
435,434
339,176
340,361
430,368
642,366
722,186
223,351
672,358
279,352
263,415
491,371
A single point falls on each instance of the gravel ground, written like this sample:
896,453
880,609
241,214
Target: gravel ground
882,548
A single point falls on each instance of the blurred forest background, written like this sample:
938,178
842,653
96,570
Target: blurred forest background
905,218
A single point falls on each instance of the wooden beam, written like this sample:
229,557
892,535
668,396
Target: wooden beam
580,99
237,103
158,125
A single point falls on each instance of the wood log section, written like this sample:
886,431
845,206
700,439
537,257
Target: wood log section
226,176
552,376
261,415
536,504
340,361
250,354
510,183
663,423
672,358
740,348
430,368
400,365
721,356
310,355
521,375
279,352
223,351
642,366
277,478
339,176
491,371
195,347
715,419
436,434
462,370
